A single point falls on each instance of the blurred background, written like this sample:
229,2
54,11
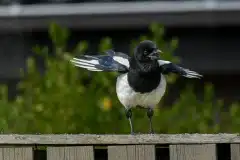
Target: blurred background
49,95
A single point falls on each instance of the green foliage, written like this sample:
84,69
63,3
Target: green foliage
67,99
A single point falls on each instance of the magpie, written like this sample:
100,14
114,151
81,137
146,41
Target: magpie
141,80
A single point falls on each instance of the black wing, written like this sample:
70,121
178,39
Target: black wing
168,67
113,61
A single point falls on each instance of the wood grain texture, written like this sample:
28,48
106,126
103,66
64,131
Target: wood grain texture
131,152
70,153
235,151
18,153
91,139
193,152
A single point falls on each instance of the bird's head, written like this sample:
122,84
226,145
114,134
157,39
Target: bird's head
147,51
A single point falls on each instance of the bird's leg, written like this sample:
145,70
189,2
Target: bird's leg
150,115
129,117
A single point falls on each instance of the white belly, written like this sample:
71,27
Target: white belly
129,98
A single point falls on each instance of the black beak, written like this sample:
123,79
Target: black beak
155,54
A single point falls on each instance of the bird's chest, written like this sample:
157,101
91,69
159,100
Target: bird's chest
130,98
144,82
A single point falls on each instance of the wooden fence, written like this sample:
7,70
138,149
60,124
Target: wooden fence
120,147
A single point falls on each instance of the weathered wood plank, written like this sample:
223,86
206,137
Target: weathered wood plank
193,152
70,153
16,153
91,139
235,151
131,152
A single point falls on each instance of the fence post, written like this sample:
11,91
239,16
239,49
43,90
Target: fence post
131,152
70,153
193,152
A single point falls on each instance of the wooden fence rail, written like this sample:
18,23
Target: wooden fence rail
119,147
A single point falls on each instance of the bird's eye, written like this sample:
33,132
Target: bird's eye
145,52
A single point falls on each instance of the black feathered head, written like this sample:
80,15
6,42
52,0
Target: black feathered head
147,51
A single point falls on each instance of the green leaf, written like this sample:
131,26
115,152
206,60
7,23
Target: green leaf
80,48
105,44
59,35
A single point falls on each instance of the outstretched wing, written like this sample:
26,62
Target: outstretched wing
113,61
189,73
168,67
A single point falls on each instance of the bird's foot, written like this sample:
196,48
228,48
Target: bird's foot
133,133
136,133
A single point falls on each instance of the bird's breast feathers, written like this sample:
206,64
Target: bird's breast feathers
129,98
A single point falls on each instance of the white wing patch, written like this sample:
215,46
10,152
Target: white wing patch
87,64
121,60
162,62
191,74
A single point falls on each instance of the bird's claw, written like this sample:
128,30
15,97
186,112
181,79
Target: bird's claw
133,133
